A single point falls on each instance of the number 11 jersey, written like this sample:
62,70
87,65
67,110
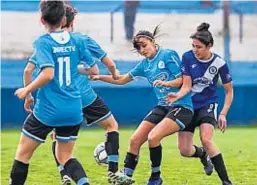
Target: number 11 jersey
59,102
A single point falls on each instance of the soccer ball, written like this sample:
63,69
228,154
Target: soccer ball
100,154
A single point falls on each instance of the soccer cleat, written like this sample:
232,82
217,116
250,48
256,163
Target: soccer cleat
226,183
119,178
206,161
155,181
66,180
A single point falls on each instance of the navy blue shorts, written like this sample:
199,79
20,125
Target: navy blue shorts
181,115
38,131
206,114
96,112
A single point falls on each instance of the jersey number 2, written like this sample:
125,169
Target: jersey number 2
64,61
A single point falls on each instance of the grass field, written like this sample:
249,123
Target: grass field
239,147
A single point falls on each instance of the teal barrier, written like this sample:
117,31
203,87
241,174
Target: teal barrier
130,103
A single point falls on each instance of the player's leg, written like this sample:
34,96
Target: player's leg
33,133
176,119
66,137
207,125
98,113
139,137
187,149
65,177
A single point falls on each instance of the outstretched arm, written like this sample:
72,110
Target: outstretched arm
109,63
122,79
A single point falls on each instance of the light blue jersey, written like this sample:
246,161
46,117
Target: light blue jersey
59,102
165,66
88,95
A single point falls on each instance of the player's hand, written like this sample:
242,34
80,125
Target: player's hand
94,77
29,102
171,97
116,75
222,121
21,92
157,83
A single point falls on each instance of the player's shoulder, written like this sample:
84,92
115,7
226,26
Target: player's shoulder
218,59
188,54
42,39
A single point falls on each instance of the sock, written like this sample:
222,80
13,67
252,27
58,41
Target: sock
156,158
220,167
199,152
130,164
19,173
60,167
112,150
76,171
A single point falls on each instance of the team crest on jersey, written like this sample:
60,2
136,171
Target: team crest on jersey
161,65
213,70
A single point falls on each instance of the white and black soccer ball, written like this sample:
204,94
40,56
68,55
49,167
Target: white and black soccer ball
100,155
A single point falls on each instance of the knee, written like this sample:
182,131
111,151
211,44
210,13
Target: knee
23,156
185,151
207,143
152,139
111,126
135,142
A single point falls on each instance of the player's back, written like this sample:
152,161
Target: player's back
58,102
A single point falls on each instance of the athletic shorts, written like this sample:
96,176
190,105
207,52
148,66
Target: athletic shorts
38,131
96,112
181,115
206,114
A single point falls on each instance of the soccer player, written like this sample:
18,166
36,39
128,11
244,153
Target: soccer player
201,71
94,109
58,53
160,67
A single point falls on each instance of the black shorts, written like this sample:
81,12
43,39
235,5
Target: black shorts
36,130
181,115
96,112
206,114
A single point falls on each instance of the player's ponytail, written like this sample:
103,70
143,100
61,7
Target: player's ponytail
203,34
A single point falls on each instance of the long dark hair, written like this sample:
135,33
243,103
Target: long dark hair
203,34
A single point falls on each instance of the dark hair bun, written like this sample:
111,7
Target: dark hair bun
203,27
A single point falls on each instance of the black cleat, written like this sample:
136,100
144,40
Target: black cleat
206,161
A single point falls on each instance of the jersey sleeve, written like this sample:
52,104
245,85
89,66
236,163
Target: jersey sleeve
87,58
95,49
138,70
174,64
225,74
33,59
185,66
43,54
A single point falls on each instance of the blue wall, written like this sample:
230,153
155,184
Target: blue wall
249,7
130,103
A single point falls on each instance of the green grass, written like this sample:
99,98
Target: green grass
238,145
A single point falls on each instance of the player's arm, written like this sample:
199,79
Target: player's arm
27,74
96,50
27,78
109,63
229,94
123,79
173,83
93,70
